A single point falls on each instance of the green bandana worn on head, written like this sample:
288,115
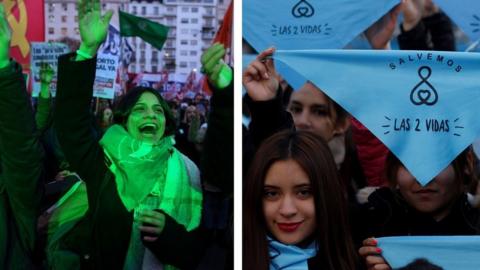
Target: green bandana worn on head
141,168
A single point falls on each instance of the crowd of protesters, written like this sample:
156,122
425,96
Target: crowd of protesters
89,184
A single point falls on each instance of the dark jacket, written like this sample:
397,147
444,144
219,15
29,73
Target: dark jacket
268,118
103,236
318,262
184,144
20,171
387,214
431,33
217,157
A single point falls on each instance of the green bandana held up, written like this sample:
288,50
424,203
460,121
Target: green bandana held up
224,77
139,169
69,208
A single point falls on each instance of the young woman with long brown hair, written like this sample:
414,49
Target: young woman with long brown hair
294,208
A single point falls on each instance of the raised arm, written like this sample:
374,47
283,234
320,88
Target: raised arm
413,32
43,114
260,77
73,119
93,27
372,255
217,155
264,98
20,156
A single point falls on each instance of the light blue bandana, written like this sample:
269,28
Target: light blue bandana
289,257
309,24
448,252
465,13
423,106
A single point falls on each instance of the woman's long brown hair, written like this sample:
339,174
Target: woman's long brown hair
334,242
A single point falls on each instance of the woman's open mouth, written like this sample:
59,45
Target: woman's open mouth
148,129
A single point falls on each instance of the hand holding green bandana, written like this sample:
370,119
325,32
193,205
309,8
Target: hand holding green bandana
219,74
153,223
5,37
260,78
93,27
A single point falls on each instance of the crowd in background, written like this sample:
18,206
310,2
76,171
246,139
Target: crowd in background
138,183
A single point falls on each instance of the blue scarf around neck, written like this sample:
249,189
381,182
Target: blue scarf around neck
289,257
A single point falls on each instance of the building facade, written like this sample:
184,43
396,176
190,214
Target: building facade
193,24
61,18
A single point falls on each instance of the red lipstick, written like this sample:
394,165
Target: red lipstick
289,227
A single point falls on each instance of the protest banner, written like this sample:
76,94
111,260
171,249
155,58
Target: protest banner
149,80
443,252
26,19
108,59
307,24
422,105
48,53
104,85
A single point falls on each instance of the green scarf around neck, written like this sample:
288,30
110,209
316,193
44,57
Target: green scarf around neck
139,167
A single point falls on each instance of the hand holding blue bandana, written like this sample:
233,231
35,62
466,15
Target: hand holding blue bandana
295,80
413,12
372,254
260,77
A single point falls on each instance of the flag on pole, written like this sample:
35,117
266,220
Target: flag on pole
224,34
151,32
26,19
